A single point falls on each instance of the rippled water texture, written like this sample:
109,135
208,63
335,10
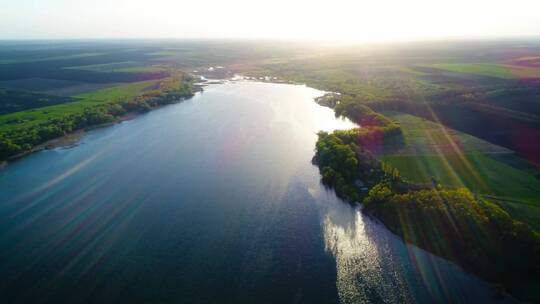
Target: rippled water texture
213,200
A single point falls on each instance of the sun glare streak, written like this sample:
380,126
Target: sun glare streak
358,257
448,140
374,266
43,191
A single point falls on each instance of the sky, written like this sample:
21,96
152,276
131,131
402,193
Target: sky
335,20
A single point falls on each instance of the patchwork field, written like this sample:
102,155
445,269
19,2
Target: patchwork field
39,83
121,91
434,152
504,71
47,92
425,137
42,56
55,87
32,117
14,101
468,113
128,66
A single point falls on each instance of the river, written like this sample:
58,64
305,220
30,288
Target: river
213,200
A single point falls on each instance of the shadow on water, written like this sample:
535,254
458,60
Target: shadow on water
375,266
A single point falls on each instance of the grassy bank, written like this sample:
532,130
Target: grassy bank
20,132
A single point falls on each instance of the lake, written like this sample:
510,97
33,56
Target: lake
212,200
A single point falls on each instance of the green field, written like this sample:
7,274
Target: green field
33,117
54,58
492,70
426,137
128,66
515,190
48,92
478,172
457,159
122,91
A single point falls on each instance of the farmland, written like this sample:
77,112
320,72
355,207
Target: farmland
491,70
44,80
417,81
451,103
15,101
45,93
466,157
458,123
78,104
457,159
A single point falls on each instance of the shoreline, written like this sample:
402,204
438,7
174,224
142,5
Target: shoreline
72,139
382,194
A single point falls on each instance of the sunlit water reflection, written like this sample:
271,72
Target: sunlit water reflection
213,200
375,266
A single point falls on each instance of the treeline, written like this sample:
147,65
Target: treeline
344,156
20,140
459,226
363,115
14,101
376,133
345,166
452,223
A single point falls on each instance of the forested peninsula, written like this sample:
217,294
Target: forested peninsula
453,223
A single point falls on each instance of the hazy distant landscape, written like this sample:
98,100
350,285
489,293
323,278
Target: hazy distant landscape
481,111
235,151
434,116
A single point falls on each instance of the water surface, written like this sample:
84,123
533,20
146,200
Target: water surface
213,200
